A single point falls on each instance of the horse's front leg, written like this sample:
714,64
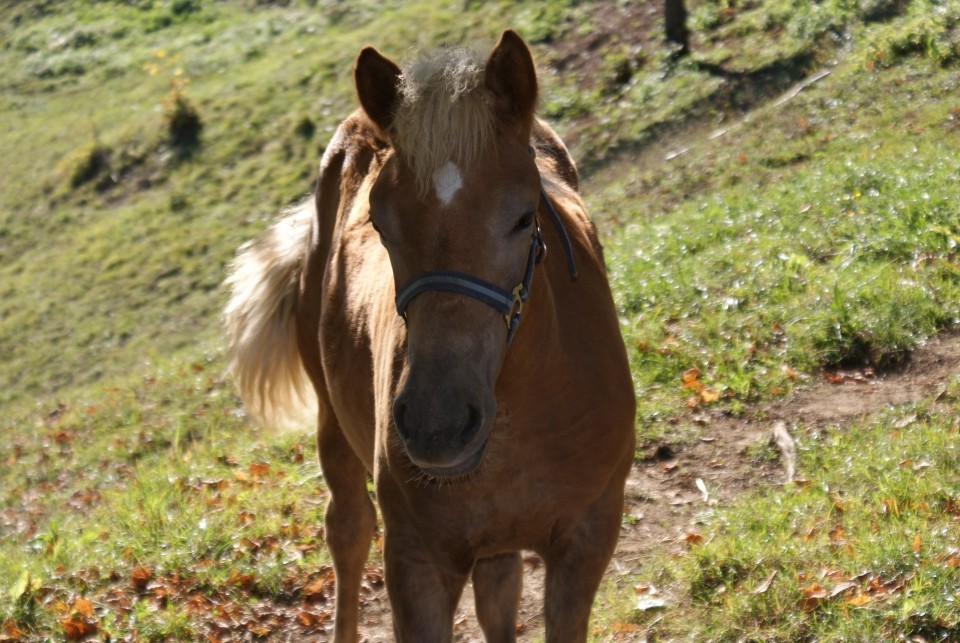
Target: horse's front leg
424,586
575,564
350,523
497,584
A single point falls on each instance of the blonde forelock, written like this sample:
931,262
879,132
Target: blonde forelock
445,111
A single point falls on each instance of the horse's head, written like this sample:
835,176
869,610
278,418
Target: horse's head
455,206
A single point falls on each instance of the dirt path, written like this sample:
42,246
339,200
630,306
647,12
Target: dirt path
663,497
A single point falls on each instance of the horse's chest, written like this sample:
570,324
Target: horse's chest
496,511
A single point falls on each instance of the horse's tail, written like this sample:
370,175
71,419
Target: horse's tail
260,319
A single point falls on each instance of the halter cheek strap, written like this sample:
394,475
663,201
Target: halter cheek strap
508,302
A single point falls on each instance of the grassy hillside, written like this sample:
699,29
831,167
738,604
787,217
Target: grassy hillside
751,241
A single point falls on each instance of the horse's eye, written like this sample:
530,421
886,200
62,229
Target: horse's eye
373,224
526,220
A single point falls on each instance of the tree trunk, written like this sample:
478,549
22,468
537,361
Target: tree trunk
675,17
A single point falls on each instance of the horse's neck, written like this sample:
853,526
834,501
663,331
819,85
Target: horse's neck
536,346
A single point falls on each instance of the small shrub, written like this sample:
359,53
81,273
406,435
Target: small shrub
183,121
184,7
305,128
87,164
879,10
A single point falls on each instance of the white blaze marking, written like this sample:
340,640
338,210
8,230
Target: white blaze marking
446,182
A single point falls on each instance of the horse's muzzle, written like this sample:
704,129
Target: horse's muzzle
441,438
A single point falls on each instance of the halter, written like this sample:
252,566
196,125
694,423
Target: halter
508,303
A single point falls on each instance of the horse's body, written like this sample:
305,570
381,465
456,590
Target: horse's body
479,446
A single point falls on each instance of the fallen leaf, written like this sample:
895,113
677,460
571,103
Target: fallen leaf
306,619
374,576
316,589
692,539
10,632
648,603
83,607
916,544
703,489
765,585
841,588
810,534
813,595
140,577
858,599
259,469
258,630
243,580
228,460
906,421
690,379
836,533
296,455
709,395
76,628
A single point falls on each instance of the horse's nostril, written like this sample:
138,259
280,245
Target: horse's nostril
473,424
399,419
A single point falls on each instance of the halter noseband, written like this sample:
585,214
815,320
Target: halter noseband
508,303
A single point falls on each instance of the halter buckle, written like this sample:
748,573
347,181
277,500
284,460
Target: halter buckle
516,307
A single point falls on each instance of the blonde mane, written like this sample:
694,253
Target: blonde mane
445,112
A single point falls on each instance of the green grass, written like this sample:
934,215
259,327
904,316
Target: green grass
822,231
140,480
842,256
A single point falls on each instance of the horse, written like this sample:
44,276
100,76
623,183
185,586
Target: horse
481,385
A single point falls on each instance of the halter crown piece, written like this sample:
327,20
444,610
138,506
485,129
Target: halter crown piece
508,303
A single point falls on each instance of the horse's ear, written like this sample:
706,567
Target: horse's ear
512,78
376,77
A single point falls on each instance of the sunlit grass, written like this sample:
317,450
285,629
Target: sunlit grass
847,260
